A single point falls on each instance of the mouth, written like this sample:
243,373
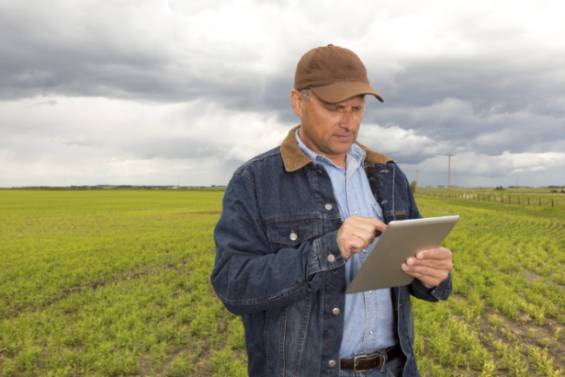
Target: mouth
345,137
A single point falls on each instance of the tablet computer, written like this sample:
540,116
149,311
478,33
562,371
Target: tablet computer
400,240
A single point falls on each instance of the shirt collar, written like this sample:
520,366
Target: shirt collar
355,152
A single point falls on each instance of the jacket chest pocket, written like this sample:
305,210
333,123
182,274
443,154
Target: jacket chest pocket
291,232
397,214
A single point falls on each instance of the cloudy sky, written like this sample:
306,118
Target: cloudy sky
183,91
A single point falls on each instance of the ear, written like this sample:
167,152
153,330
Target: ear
296,102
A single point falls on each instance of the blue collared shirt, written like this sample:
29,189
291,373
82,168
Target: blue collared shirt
368,316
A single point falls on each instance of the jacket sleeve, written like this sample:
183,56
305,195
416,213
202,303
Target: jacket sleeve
416,288
440,292
249,276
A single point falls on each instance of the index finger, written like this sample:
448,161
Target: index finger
378,225
437,253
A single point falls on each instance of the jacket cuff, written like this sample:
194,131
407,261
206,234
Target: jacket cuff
437,293
325,254
442,291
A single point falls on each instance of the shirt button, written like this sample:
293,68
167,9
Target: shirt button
332,363
331,258
293,236
328,206
336,311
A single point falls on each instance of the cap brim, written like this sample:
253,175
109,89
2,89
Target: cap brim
340,91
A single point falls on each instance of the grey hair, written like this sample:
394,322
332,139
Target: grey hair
306,93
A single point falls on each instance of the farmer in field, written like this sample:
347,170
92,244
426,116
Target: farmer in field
297,223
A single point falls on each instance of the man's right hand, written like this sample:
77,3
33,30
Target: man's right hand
356,233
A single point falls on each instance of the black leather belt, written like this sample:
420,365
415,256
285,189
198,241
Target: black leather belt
373,360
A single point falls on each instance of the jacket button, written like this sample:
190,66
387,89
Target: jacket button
332,363
331,258
336,311
328,206
293,236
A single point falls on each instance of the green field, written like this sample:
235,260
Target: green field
116,283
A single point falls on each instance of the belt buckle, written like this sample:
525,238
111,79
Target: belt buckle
356,359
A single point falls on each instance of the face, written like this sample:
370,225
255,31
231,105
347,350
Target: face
329,128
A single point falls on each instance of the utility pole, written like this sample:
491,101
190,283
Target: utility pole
449,155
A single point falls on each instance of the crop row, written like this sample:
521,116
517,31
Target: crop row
111,284
506,315
116,283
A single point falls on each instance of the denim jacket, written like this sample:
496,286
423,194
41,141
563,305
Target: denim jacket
278,264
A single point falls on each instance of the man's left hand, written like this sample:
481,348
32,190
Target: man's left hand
431,266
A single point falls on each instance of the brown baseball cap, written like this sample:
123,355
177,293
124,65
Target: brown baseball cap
333,73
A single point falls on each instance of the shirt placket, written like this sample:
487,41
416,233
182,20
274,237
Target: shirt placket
353,204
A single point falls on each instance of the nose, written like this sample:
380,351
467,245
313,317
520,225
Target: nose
347,120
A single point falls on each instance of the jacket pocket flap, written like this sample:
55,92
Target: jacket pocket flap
293,232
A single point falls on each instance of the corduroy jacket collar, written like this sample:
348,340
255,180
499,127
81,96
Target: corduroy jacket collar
294,159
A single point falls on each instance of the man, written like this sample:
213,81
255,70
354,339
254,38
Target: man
297,223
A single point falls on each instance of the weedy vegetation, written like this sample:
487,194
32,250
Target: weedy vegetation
505,317
116,283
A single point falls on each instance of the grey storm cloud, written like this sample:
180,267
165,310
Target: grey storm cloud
45,52
505,96
489,105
